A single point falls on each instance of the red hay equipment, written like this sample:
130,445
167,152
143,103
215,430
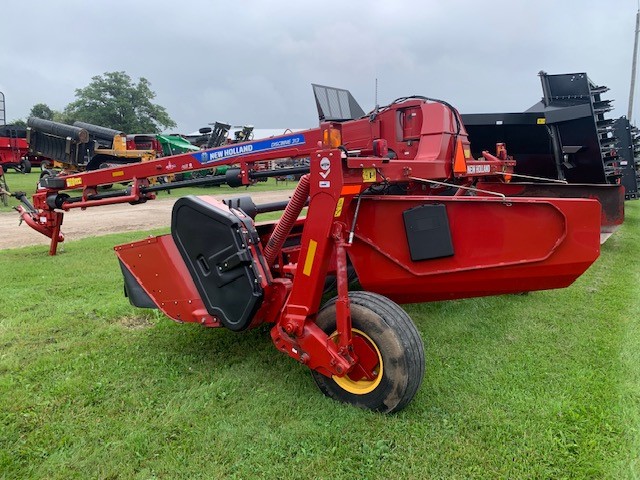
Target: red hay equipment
392,197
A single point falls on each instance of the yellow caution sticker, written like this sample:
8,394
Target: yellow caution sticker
368,174
338,211
119,173
73,182
311,253
541,121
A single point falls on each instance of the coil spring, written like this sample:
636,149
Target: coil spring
285,224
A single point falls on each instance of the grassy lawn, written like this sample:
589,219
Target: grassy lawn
28,182
544,385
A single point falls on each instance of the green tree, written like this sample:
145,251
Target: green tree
42,110
18,122
62,117
113,100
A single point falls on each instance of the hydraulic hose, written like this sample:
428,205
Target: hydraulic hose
289,217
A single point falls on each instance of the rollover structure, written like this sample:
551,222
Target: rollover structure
391,194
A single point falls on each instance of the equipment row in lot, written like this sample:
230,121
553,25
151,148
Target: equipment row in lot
395,197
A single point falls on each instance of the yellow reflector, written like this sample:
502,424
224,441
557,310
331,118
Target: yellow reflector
73,182
311,253
339,206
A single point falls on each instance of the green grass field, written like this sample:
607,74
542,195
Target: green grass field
544,385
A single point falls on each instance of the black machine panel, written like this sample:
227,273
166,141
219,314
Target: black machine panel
526,139
565,136
626,148
428,233
214,243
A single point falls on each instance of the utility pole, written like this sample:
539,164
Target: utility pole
3,111
633,66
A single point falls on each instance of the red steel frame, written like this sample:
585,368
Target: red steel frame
430,147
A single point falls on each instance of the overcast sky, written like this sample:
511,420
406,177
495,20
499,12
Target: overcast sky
252,62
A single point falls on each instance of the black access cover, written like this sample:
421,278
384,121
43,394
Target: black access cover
213,243
428,233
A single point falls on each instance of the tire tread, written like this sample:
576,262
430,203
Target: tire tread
407,334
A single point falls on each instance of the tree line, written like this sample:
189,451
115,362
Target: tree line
111,100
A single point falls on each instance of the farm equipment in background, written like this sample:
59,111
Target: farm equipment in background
212,136
14,155
563,139
244,134
81,146
14,149
218,134
628,151
392,195
145,142
175,144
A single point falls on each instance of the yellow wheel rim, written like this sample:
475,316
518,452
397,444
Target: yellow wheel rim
363,386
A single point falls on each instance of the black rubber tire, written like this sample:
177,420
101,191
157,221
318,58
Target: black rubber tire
25,166
46,173
331,282
394,334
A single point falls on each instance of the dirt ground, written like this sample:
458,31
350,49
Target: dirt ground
107,219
